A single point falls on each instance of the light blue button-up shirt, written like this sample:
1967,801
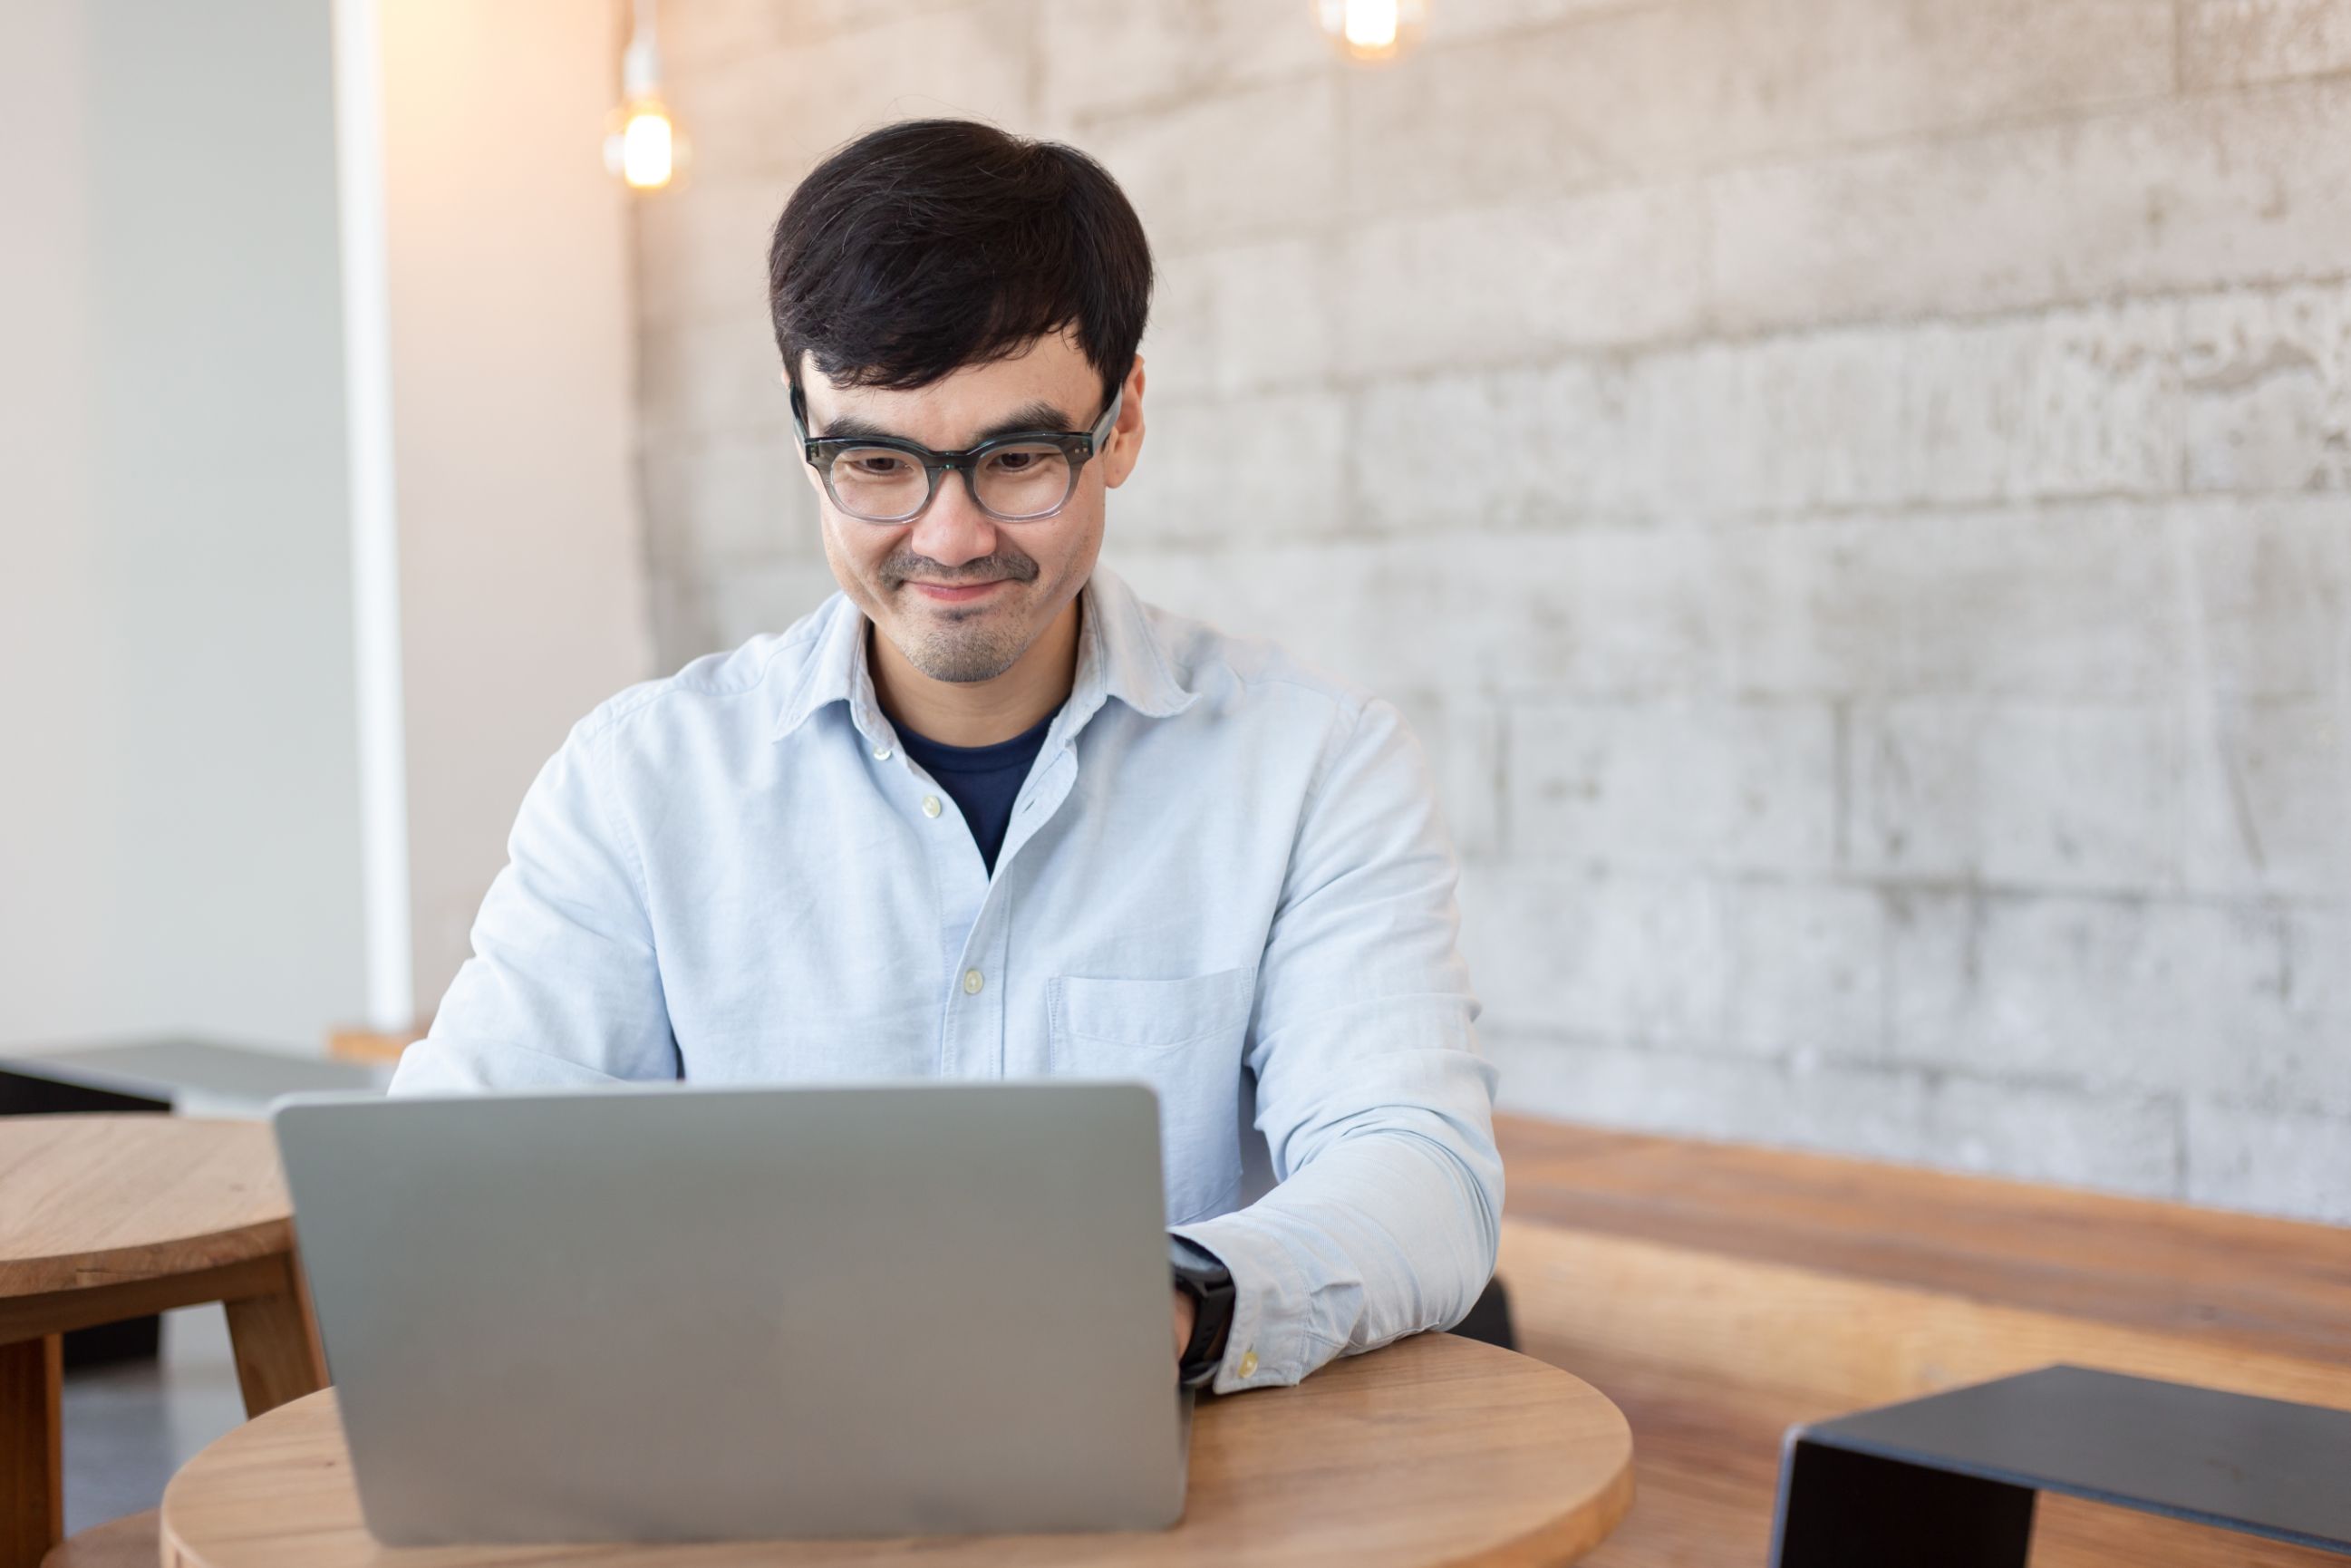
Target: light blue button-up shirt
1225,875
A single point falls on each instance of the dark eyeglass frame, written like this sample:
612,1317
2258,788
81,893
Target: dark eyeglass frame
1077,445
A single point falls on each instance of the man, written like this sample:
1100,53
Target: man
984,814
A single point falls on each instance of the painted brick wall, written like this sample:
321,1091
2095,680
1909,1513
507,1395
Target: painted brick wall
1888,654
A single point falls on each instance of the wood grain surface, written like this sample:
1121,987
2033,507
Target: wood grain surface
104,1217
1712,1357
1435,1450
99,1200
2274,1286
129,1542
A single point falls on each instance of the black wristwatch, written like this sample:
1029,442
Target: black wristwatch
1210,1285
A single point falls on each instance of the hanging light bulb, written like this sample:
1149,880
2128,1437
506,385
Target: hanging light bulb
643,145
1371,31
646,153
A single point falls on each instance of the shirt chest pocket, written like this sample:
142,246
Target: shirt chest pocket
1185,1039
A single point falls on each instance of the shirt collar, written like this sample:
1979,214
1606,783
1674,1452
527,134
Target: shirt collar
1127,655
1120,655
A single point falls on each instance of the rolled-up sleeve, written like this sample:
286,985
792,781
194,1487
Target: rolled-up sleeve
1374,1100
563,986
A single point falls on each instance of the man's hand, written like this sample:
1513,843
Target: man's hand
1184,1310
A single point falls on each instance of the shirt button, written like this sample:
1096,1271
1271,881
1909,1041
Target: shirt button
972,982
882,754
930,805
1247,1367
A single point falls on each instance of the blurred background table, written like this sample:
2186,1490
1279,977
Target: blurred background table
110,1216
193,1076
1437,1449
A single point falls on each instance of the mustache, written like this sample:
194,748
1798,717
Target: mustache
904,565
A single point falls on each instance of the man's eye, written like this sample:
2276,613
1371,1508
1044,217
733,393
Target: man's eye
879,464
1023,461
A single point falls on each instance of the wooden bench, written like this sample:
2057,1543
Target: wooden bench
1720,1293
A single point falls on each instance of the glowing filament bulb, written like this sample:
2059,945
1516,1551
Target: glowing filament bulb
1371,31
647,148
640,143
1370,25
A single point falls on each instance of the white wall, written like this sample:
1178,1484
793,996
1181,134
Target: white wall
50,915
177,830
521,590
1890,672
180,812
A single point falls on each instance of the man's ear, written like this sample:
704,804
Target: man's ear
1125,447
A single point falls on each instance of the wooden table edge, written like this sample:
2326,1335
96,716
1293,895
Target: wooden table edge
1566,1540
254,1203
62,1273
1587,1523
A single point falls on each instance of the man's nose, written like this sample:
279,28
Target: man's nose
954,529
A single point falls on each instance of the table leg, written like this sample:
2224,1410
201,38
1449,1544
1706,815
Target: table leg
276,1342
32,1473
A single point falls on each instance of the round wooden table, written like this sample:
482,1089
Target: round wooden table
104,1217
1436,1449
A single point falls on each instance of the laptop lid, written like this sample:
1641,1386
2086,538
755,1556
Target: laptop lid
671,1312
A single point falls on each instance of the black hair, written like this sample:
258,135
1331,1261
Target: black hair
930,244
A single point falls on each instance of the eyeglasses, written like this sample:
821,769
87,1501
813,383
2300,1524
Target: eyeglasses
1015,478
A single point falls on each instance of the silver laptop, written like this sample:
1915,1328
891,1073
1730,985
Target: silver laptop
674,1313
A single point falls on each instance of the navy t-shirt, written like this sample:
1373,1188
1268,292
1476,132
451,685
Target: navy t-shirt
984,780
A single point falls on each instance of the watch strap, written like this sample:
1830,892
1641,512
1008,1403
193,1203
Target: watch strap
1209,1284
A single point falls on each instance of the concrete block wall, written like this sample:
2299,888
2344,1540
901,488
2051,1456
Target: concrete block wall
1850,492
